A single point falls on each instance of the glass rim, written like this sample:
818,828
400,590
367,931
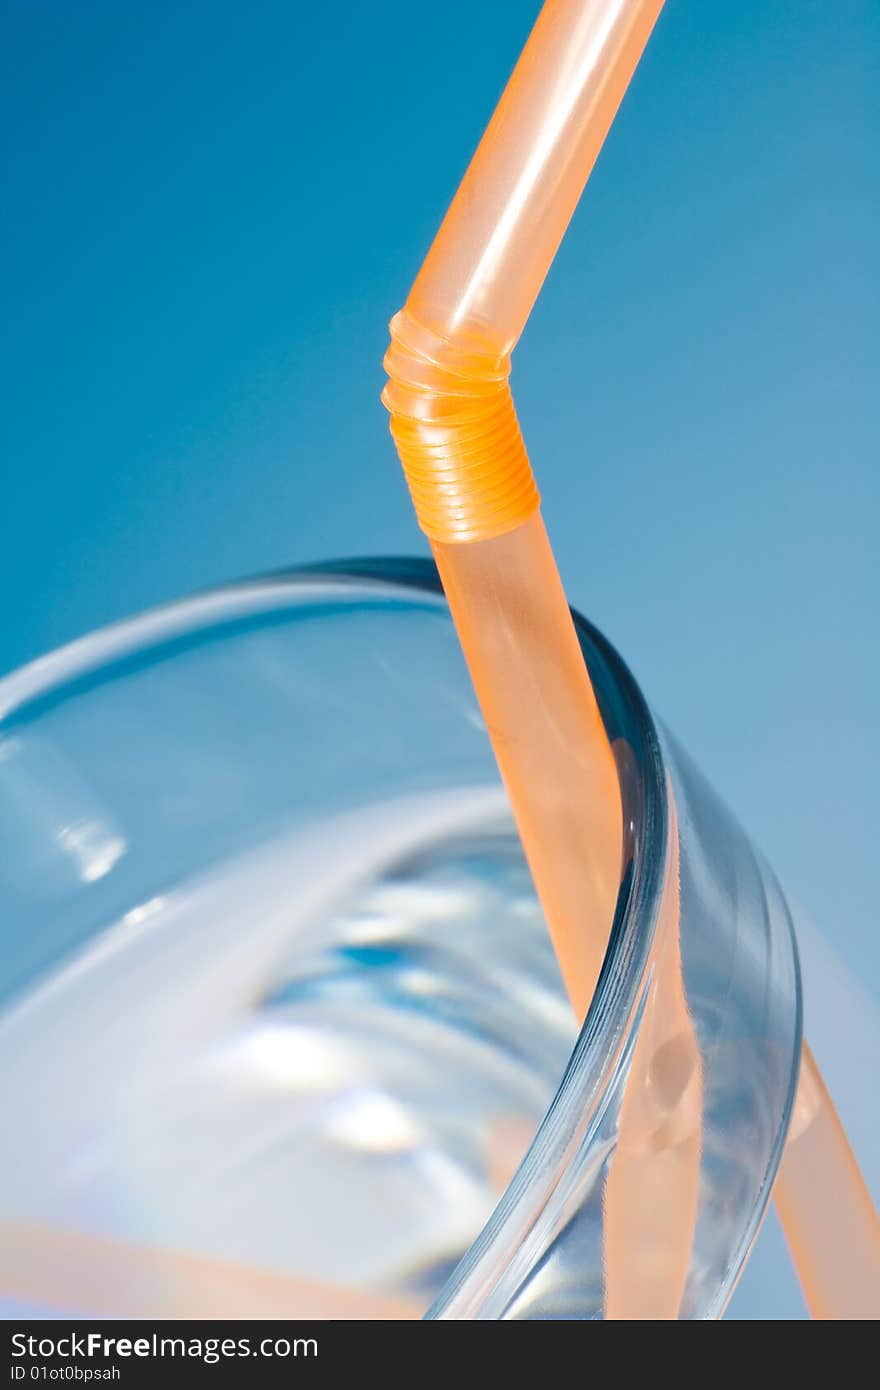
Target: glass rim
601,1045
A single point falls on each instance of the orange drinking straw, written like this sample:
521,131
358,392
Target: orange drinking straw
90,1274
453,420
830,1223
454,424
457,434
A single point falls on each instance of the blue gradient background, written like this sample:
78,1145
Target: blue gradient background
210,212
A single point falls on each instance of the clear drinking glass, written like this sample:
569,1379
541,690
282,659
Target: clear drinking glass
281,1031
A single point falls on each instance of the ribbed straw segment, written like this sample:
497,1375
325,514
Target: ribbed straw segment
456,431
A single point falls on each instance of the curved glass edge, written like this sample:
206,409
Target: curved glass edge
733,909
486,1280
218,609
752,1230
597,1057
